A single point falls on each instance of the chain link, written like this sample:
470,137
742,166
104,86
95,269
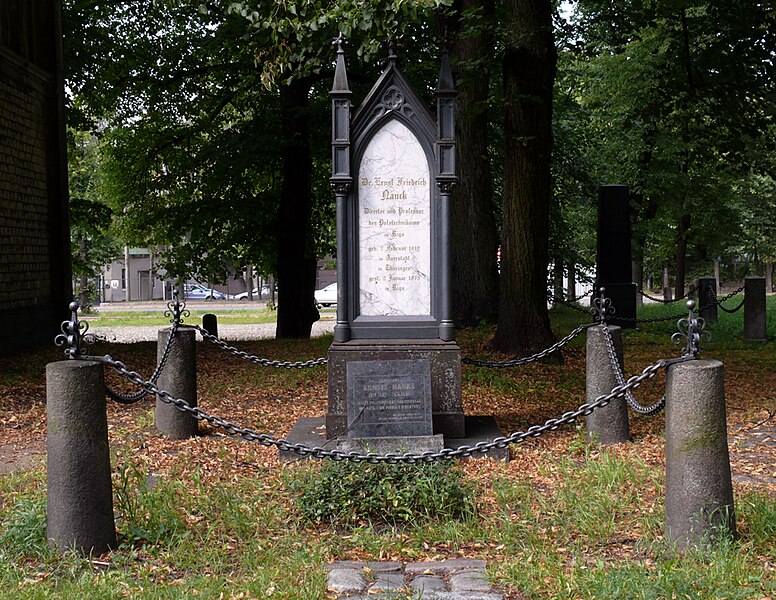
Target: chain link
132,398
528,359
390,458
264,362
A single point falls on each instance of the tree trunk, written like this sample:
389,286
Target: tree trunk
717,275
571,288
768,277
637,274
557,281
528,66
296,263
475,238
681,253
83,279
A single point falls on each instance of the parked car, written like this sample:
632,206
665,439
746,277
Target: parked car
326,296
197,291
264,293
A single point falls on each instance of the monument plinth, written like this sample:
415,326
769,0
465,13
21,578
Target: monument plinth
394,367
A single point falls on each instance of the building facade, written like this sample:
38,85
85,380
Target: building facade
35,277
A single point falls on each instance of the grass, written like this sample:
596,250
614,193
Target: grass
218,517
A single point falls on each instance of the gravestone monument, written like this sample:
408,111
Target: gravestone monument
394,366
613,256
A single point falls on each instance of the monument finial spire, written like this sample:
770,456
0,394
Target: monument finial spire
445,82
340,72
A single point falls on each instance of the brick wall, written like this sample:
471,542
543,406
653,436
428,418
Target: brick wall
24,198
34,246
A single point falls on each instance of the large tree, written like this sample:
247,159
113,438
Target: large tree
475,237
528,66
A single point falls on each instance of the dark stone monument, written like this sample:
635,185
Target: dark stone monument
210,324
707,299
755,323
613,269
393,173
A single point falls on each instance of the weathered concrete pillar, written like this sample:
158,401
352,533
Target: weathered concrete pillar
699,491
79,502
179,378
210,324
707,302
755,324
608,425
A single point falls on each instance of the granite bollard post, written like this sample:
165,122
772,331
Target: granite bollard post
179,378
699,490
608,424
707,299
79,502
755,324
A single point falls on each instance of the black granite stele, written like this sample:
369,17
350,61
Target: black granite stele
755,321
613,256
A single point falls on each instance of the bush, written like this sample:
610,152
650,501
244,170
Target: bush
352,493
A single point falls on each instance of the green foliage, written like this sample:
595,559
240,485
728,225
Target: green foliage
24,529
92,242
680,99
356,493
148,509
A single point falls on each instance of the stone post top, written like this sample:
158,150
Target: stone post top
698,364
72,364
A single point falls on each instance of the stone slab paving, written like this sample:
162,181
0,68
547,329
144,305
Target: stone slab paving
453,579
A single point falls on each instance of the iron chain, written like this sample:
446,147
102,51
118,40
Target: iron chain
661,300
620,377
528,359
728,297
264,362
390,458
132,398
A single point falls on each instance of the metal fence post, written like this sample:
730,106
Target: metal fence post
755,324
179,378
79,503
608,424
699,490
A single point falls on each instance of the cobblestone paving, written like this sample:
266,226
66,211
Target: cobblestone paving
454,579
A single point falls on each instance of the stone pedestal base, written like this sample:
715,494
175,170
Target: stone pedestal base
416,444
445,358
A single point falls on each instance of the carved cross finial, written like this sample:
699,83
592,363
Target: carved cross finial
392,49
338,41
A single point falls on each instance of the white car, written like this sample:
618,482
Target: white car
264,293
326,296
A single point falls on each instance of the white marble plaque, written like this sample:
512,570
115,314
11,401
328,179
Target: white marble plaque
394,225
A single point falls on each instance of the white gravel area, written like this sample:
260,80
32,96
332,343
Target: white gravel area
149,333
